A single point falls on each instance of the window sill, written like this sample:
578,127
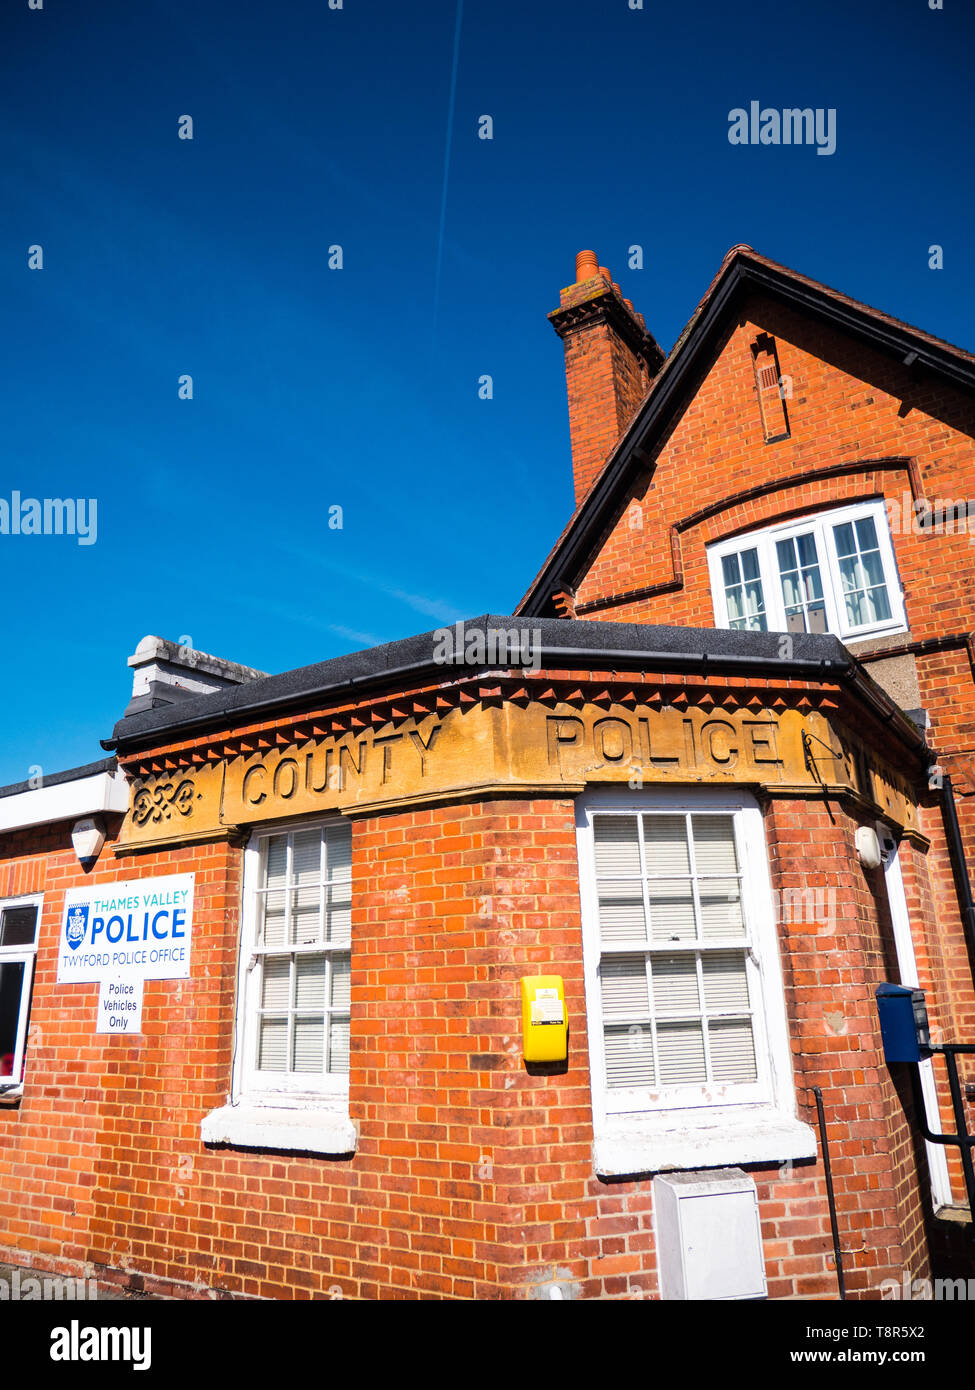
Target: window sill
304,1129
625,1145
12,1095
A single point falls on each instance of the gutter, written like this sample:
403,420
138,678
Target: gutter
956,853
200,723
846,670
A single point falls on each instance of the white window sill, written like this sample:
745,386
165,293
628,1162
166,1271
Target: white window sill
306,1129
11,1094
629,1144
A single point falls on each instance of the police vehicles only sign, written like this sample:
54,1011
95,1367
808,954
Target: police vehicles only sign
140,929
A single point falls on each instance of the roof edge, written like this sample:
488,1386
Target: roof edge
557,644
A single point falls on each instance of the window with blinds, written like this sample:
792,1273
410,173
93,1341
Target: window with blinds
303,953
674,970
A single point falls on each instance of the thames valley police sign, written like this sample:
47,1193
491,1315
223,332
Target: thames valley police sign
138,929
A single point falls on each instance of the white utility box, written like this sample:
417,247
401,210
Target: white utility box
709,1237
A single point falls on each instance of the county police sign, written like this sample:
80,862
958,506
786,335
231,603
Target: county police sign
141,928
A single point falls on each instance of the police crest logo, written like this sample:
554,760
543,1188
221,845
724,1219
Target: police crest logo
76,925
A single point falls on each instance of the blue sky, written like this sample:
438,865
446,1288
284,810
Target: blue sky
358,387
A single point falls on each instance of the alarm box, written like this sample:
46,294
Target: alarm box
544,1024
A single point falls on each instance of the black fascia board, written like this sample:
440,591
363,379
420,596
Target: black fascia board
557,643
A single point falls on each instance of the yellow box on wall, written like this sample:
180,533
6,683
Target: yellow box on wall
543,1018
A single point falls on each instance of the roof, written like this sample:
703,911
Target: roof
555,644
742,271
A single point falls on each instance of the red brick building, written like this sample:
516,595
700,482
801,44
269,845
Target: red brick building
708,776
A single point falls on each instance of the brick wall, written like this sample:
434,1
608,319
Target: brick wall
473,1176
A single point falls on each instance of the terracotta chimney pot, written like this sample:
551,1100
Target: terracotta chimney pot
587,265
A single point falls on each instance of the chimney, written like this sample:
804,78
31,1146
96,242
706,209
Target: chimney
166,672
610,361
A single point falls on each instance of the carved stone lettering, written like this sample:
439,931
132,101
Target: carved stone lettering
421,760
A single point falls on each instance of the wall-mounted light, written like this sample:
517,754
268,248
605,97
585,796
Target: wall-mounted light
88,836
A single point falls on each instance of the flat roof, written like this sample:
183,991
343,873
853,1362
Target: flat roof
557,643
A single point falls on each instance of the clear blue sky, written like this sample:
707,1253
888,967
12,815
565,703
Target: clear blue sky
315,387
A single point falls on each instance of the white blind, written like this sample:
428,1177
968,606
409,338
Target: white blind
309,1044
304,902
274,899
725,981
273,1044
675,984
721,914
338,1046
276,983
714,844
306,897
666,844
621,911
672,1017
617,843
338,875
629,1056
340,982
309,982
624,987
671,902
732,1050
681,1050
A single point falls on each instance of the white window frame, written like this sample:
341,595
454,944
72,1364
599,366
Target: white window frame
647,1129
820,524
272,1110
253,1082
907,969
12,1086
